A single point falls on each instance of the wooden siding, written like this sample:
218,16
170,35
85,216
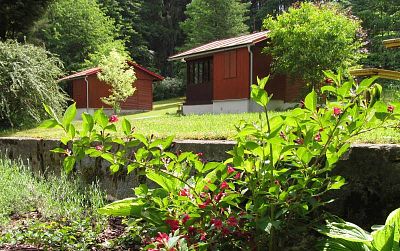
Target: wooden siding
231,76
262,68
237,87
142,99
79,92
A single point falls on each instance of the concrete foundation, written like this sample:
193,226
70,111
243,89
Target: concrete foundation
235,106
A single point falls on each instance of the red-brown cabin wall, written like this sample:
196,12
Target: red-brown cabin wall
226,87
262,68
79,92
142,99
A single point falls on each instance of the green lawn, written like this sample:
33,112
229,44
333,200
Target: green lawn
163,121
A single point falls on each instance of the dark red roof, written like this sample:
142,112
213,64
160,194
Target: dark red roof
236,42
95,70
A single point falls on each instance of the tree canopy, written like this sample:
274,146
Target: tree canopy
77,30
209,20
18,16
129,26
380,20
307,40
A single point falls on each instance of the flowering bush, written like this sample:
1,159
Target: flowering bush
263,196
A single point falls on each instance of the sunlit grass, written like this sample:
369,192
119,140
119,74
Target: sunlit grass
163,121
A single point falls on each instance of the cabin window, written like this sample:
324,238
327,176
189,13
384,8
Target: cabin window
199,71
230,64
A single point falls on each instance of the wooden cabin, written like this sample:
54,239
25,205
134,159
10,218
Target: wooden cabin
220,73
86,90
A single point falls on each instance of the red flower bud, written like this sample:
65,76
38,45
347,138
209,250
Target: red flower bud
184,192
99,148
224,185
282,135
205,204
219,196
192,230
237,176
328,80
337,111
217,223
302,104
161,237
113,119
230,170
203,236
225,231
185,218
173,224
317,137
390,108
232,221
299,141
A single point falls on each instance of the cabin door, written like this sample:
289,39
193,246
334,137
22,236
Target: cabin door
199,81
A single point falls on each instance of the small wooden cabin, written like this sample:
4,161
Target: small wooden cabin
86,90
220,73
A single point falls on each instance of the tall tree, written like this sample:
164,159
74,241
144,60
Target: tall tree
77,30
161,29
381,20
17,16
260,9
210,20
129,24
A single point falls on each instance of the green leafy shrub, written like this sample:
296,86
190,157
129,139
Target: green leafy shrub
169,88
27,79
267,194
346,236
308,39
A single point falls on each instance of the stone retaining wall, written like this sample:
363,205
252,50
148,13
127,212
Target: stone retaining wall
372,173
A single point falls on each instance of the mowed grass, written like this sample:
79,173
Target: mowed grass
163,121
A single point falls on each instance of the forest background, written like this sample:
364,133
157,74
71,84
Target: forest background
149,31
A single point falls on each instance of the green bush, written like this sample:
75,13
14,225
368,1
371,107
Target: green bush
306,40
268,194
169,88
27,79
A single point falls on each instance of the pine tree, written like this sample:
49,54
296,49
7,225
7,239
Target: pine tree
381,20
18,16
161,30
129,24
210,20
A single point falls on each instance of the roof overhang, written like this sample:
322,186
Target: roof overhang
92,71
387,74
392,43
221,45
208,53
